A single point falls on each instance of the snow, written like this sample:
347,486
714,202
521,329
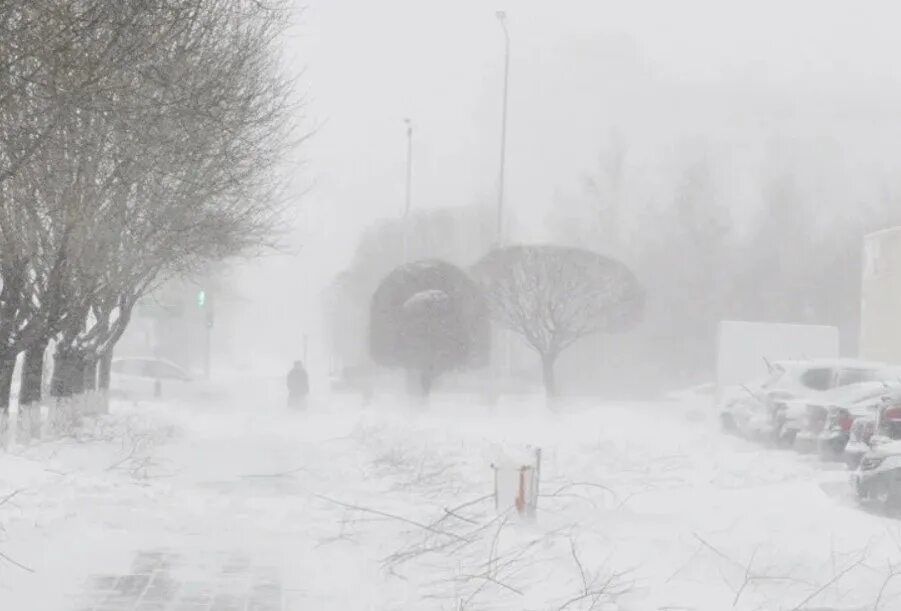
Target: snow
650,499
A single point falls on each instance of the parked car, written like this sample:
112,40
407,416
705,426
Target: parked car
849,427
744,409
836,382
859,437
826,423
777,407
878,476
143,377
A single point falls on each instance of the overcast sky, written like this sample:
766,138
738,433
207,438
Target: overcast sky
666,74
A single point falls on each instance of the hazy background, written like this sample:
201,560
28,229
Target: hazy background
808,87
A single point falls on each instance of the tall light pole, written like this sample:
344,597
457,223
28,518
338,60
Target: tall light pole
502,18
205,304
409,193
498,366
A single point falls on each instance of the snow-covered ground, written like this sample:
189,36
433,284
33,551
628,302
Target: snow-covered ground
643,507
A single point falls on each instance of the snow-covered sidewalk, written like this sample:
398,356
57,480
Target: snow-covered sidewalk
242,505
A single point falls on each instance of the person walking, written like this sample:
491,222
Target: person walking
298,385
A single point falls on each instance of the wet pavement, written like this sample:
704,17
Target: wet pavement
164,581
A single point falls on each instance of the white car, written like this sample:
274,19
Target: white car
776,407
749,409
146,377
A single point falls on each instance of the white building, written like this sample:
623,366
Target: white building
880,307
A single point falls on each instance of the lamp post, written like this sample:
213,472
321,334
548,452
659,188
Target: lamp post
409,191
205,304
502,364
502,18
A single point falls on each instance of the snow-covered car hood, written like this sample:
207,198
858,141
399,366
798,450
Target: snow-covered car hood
843,395
889,448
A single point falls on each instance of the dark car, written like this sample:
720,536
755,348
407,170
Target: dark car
878,476
143,377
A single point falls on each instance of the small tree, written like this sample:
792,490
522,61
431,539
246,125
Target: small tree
554,295
429,317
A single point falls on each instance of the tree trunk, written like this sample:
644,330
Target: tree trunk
30,393
68,375
77,375
89,373
426,379
33,375
412,382
7,366
57,380
419,384
547,370
104,374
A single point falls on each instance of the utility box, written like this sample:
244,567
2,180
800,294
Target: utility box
880,304
517,476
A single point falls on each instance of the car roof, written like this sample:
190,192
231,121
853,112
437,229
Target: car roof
883,232
844,363
145,359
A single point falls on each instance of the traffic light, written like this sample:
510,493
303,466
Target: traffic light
204,303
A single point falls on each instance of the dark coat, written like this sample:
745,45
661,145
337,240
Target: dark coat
298,382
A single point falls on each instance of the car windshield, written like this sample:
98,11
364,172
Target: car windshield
856,376
817,379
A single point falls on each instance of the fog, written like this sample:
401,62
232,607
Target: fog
807,91
289,321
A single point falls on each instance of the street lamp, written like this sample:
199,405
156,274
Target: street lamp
409,193
499,366
205,304
502,18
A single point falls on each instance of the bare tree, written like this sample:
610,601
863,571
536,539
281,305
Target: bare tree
68,184
199,179
449,234
155,146
429,317
555,295
56,59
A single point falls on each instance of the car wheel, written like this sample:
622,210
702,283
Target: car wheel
787,439
879,491
891,495
862,491
831,450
